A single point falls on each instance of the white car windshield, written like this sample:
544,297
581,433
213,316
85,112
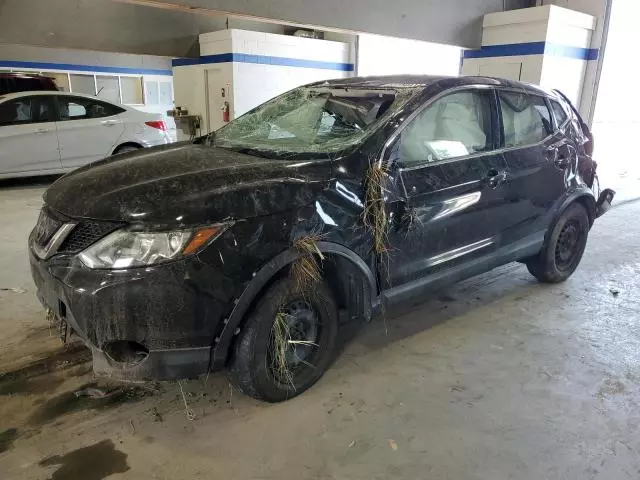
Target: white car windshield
311,119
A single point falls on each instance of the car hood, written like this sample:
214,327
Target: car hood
186,184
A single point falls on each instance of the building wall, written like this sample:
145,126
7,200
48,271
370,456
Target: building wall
253,67
546,45
63,63
195,84
111,26
616,117
133,28
523,68
378,55
256,83
599,10
11,51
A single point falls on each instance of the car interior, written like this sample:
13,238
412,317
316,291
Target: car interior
455,126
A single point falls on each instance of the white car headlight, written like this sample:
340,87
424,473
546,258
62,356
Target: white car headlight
125,249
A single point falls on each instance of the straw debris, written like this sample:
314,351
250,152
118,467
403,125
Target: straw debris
374,216
281,338
306,271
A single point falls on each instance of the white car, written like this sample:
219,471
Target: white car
48,132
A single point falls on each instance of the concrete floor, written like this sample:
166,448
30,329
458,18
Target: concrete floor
497,378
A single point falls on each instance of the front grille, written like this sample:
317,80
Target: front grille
45,228
86,233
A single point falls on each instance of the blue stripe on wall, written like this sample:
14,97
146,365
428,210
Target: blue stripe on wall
572,52
533,48
509,50
263,60
222,58
82,68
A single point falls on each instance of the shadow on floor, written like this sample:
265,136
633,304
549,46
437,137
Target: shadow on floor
27,182
403,321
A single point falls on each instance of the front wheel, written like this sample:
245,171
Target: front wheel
565,247
286,344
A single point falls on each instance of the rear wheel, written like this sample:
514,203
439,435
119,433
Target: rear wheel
127,148
287,343
565,247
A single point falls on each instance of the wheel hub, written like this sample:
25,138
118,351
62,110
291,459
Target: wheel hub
566,246
303,331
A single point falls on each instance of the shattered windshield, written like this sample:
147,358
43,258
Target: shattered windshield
310,119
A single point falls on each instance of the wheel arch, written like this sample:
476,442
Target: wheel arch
585,198
582,196
116,150
360,286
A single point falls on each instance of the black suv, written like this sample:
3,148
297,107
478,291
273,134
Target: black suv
248,248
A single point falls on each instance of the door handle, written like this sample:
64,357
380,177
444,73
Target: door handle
108,123
495,178
41,131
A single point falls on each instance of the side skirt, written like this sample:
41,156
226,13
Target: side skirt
526,247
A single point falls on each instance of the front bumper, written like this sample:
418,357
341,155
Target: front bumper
174,311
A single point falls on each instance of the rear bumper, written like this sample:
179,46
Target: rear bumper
157,308
604,202
156,140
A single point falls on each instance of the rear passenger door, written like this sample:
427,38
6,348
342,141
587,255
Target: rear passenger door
87,129
28,140
537,158
453,178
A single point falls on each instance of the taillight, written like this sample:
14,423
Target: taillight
159,124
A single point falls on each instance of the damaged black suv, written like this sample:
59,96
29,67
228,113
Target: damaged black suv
248,248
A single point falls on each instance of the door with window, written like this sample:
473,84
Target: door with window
28,140
453,179
88,129
538,160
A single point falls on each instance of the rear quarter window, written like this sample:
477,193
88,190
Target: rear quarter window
559,112
78,108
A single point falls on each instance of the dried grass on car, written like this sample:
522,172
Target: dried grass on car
374,215
281,336
306,271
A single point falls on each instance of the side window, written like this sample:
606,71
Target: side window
526,119
17,112
559,112
76,111
25,110
454,126
44,109
76,108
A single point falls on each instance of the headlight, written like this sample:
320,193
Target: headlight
125,249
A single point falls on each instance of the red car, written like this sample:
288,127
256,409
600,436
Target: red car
23,82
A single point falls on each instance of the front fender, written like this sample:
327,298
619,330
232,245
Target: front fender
223,342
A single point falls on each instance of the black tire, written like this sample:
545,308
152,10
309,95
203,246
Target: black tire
251,369
127,148
564,248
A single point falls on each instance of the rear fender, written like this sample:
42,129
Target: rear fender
583,196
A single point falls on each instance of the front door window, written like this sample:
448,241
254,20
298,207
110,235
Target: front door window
454,126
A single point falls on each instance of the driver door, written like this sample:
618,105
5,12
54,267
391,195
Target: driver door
453,181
